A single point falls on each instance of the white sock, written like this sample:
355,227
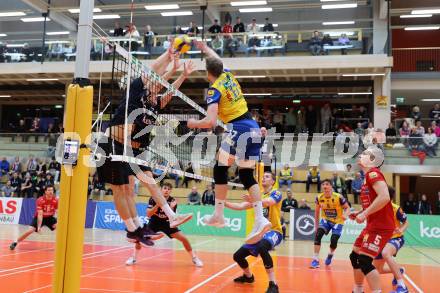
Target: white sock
193,254
130,225
358,289
258,211
331,252
168,211
401,283
219,207
135,253
316,256
137,221
271,276
376,291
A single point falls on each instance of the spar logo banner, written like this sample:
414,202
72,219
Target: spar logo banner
10,209
423,230
107,217
235,222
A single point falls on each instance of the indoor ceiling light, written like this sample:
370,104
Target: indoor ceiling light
330,0
422,28
250,76
426,11
42,79
415,15
273,24
337,22
5,96
259,9
363,74
58,106
337,34
57,42
57,33
76,10
248,3
12,13
34,19
430,100
430,176
337,6
15,45
296,101
106,16
162,7
176,13
3,35
261,94
355,93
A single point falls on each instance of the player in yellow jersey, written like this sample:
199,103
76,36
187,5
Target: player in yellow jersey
272,211
241,142
385,262
335,210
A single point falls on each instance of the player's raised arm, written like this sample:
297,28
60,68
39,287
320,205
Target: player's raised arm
202,46
208,122
188,68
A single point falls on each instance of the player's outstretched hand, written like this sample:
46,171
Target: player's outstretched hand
360,218
353,215
188,68
246,197
200,45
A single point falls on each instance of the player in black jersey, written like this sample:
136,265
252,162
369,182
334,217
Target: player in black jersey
143,103
159,223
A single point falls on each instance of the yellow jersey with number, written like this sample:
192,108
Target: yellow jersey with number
332,207
273,212
226,92
399,218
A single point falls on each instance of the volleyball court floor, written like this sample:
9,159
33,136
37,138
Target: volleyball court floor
166,267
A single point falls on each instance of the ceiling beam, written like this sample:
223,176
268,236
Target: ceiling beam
212,11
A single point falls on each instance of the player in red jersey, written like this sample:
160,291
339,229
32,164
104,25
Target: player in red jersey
46,207
378,212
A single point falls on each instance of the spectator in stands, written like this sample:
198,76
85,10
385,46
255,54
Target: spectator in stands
415,113
291,121
314,177
174,176
7,190
348,178
344,41
391,133
289,202
41,185
98,187
27,187
208,197
326,41
54,169
238,26
215,28
158,171
41,166
16,166
4,166
340,141
303,205
267,153
118,30
420,130
253,28
217,45
231,45
424,207
148,39
437,204
410,206
326,116
416,146
286,176
167,43
315,44
177,30
311,119
227,28
31,165
135,36
189,169
359,130
268,27
16,183
435,128
434,114
356,186
194,197
278,121
404,132
378,145
363,113
301,119
338,184
253,41
193,30
430,140
370,128
266,43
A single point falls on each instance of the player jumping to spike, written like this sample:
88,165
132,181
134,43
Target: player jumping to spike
335,210
242,141
378,212
272,210
159,223
46,207
385,262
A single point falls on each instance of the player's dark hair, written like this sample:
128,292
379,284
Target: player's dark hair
167,184
274,177
49,186
214,66
326,180
392,192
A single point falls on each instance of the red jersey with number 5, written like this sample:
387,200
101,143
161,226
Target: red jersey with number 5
383,219
48,206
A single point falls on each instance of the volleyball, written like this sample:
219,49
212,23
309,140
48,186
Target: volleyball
182,44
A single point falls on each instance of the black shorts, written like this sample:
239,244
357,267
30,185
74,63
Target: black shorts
116,172
48,222
162,226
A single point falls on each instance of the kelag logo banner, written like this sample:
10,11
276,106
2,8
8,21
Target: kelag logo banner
235,222
423,231
106,216
10,209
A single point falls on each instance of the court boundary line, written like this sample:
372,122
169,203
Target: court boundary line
413,283
192,289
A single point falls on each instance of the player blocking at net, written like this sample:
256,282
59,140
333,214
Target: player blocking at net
335,210
46,208
240,143
271,200
143,96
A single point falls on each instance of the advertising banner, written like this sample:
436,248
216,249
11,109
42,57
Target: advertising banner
302,224
10,208
106,216
235,222
423,231
27,211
